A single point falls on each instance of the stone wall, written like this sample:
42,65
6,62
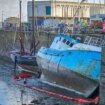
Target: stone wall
6,42
9,40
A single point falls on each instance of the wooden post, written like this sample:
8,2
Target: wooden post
102,80
33,26
15,64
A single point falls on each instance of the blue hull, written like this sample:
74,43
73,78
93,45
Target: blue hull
82,62
71,65
76,70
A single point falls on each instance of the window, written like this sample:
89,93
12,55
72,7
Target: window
71,44
57,41
67,42
59,38
64,40
48,10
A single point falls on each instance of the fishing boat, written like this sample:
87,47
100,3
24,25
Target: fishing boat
71,65
26,62
24,59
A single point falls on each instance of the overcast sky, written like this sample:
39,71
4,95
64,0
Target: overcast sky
11,8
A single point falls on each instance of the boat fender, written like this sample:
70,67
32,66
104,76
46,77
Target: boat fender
22,76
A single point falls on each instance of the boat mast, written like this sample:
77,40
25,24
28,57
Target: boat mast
33,27
20,17
20,29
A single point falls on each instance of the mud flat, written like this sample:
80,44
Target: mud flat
11,94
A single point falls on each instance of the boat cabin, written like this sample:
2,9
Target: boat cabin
62,42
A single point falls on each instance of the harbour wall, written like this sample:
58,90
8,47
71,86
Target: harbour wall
9,40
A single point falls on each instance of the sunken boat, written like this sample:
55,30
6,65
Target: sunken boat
71,65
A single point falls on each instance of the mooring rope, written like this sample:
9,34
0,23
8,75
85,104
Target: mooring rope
77,100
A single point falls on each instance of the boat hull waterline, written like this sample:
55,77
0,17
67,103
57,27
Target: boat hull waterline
71,73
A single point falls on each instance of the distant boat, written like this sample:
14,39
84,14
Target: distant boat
70,64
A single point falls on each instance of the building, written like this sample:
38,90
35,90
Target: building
64,10
12,21
99,17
